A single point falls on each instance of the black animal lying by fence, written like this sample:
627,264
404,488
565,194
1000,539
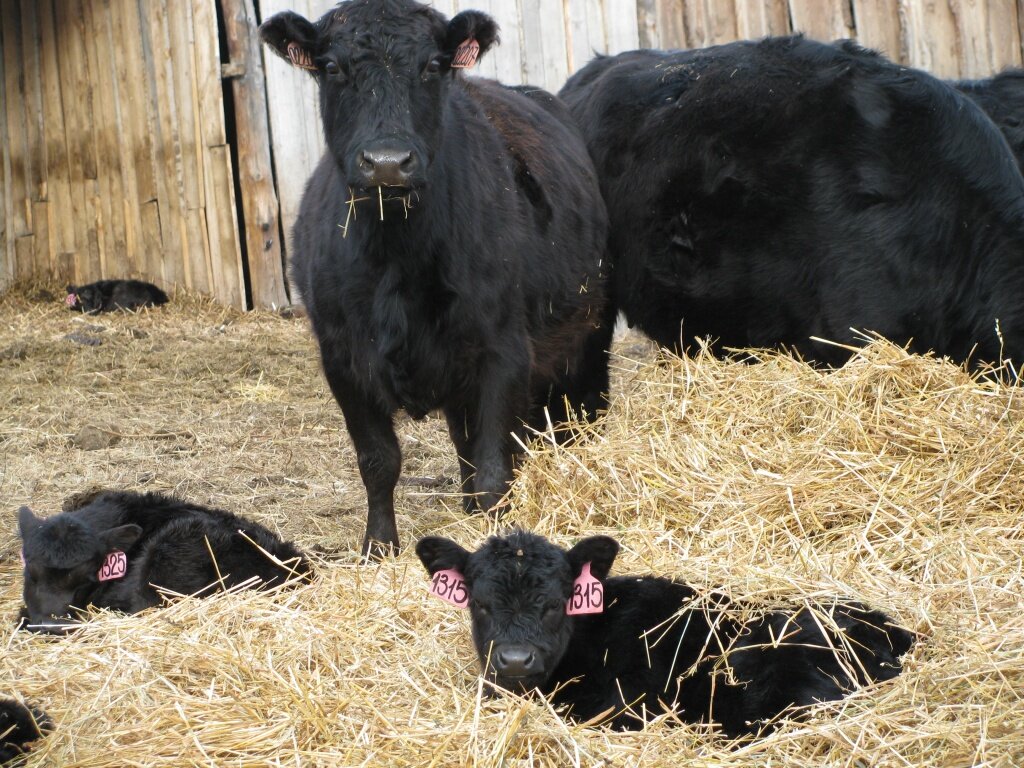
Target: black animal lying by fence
108,295
449,245
781,191
20,725
118,549
624,649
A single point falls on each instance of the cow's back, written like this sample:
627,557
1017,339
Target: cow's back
763,193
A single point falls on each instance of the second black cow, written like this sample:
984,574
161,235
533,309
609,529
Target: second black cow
622,650
449,244
769,193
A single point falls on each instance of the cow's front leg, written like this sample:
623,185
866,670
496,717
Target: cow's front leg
373,436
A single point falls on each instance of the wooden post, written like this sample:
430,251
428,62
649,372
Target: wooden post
259,201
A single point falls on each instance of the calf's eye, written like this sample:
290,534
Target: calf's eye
332,68
433,67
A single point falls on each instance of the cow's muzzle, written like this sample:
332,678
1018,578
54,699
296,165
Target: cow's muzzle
387,165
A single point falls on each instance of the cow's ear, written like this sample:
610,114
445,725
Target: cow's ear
470,35
27,522
599,551
292,37
438,554
122,537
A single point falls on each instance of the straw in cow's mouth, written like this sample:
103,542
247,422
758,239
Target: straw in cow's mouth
405,199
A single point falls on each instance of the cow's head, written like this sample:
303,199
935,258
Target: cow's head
383,68
518,588
84,298
64,557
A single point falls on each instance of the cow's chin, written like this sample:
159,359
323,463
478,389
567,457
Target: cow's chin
371,195
520,685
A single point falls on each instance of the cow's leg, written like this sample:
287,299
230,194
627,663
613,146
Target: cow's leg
458,429
373,435
499,406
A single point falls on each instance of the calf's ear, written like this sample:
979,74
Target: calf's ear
27,521
292,37
470,35
121,537
438,554
599,551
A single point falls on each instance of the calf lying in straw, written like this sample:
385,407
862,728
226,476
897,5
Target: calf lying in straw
622,650
119,549
110,295
19,726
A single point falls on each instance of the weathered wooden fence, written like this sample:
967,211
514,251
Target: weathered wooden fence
116,161
116,144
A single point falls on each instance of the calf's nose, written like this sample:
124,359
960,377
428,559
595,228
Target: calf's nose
387,166
515,662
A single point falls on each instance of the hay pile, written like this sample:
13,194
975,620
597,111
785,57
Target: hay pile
894,480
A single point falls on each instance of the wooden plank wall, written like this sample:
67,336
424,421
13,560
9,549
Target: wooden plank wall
950,38
115,160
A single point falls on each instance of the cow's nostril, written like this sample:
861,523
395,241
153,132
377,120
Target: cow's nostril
386,166
515,662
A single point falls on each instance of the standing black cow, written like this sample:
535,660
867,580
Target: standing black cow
626,649
1002,98
449,244
764,193
120,547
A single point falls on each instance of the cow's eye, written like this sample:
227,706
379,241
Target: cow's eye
332,68
481,608
432,68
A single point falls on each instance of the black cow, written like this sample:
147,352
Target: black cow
448,246
20,725
1002,98
764,193
109,295
624,649
115,552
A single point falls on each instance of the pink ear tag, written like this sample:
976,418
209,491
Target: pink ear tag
450,586
299,56
587,594
466,54
114,567
71,299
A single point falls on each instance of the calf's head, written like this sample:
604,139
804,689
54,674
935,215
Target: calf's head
383,68
65,559
522,592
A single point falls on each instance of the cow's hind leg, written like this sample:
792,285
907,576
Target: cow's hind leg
458,430
373,436
582,393
497,408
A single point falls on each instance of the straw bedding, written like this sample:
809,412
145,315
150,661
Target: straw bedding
894,480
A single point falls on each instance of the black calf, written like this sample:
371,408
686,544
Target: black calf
625,649
108,295
20,725
116,550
